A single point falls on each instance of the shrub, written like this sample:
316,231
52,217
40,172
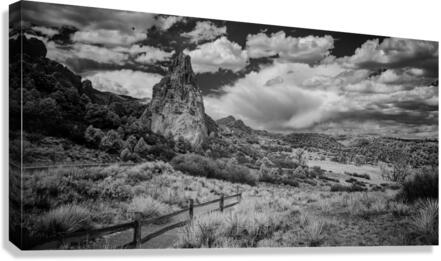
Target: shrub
300,157
316,171
112,188
363,176
300,172
162,152
141,148
125,155
398,173
93,136
248,223
425,222
287,164
63,219
314,231
111,142
148,207
351,188
131,142
424,184
197,165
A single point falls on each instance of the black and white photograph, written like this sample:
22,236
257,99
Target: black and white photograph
134,130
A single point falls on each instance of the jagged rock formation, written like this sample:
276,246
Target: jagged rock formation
177,108
234,125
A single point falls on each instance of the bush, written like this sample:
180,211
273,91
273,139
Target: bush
111,142
131,142
63,219
425,222
399,172
93,136
162,152
148,207
287,164
362,176
246,225
423,185
351,188
112,188
316,171
126,155
197,165
142,148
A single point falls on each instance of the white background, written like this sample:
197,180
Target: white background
400,18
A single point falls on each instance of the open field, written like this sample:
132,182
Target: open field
75,199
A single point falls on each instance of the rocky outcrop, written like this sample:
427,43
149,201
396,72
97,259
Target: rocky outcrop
234,125
177,109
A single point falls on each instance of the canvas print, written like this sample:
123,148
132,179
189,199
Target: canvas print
137,130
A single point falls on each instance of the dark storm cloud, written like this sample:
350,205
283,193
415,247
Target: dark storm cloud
81,17
416,106
412,118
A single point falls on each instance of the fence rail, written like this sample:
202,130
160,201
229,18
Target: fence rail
137,225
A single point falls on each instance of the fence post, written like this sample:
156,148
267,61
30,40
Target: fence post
221,203
137,231
190,208
239,195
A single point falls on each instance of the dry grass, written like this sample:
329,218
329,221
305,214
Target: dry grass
63,219
249,223
148,207
111,194
425,222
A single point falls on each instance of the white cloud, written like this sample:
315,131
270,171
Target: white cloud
309,49
153,55
393,52
164,23
283,104
127,82
108,37
84,51
146,54
45,30
288,96
205,30
222,53
98,54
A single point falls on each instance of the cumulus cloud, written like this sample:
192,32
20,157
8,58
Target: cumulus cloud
272,99
45,30
293,96
108,37
204,31
222,53
126,82
394,53
310,49
86,51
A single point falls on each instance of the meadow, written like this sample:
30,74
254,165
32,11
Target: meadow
311,212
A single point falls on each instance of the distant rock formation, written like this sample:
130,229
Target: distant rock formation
234,125
177,109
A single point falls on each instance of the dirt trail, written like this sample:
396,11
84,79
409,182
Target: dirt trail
165,240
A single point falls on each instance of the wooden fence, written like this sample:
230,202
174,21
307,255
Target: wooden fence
137,225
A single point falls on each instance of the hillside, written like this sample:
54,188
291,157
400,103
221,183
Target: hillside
415,152
58,103
313,140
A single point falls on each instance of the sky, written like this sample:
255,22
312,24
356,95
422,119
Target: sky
276,78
